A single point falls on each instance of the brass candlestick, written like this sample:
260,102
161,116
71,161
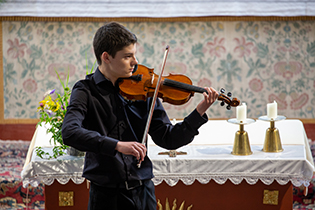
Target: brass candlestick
272,138
241,141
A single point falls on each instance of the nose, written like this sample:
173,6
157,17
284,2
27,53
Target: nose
135,61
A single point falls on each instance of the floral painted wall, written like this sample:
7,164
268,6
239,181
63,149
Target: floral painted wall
258,62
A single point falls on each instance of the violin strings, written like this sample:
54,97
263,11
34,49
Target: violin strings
183,86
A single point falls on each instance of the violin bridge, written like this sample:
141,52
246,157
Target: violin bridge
152,80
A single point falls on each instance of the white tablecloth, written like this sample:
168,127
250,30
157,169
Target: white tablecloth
208,157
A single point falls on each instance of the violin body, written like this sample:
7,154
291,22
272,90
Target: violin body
175,89
143,82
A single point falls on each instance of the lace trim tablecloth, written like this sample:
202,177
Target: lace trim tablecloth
63,169
206,160
204,163
49,179
291,167
189,179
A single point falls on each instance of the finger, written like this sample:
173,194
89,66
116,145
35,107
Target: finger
135,153
207,93
214,95
209,96
141,151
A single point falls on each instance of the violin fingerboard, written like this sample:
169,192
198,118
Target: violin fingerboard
183,86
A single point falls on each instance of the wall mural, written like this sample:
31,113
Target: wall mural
258,62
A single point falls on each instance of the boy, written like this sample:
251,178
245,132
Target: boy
109,128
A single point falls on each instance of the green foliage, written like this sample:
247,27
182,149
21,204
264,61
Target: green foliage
148,50
311,49
37,52
52,112
254,66
229,69
197,50
262,50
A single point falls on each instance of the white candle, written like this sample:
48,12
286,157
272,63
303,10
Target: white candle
241,112
272,109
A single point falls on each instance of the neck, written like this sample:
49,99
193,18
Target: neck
108,77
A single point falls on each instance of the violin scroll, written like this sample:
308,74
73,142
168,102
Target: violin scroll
234,102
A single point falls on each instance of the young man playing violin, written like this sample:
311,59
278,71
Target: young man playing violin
109,128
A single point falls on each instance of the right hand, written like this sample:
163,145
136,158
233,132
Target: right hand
132,148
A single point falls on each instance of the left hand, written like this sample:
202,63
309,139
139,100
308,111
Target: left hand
208,100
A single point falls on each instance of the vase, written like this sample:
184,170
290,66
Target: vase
74,152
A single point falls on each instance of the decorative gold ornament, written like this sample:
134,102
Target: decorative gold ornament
271,197
167,205
172,153
66,198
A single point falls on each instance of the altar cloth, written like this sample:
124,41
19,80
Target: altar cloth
208,158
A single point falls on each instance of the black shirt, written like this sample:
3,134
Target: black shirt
98,117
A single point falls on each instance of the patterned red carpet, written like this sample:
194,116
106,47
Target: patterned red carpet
14,197
307,202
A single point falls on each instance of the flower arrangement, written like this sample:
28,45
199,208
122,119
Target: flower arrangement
52,111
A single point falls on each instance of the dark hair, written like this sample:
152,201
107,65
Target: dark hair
111,38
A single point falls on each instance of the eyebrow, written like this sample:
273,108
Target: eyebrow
126,54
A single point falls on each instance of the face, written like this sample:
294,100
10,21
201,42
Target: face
120,66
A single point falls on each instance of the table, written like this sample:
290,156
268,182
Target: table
209,157
64,185
226,181
208,164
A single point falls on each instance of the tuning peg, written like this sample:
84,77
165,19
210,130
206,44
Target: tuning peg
229,94
228,107
222,90
222,103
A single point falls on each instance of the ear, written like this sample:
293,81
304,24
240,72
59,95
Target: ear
105,57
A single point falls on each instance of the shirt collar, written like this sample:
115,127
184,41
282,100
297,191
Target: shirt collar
99,77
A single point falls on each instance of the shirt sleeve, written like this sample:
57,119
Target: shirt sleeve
169,136
73,132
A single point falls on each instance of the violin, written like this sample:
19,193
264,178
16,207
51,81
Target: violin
175,89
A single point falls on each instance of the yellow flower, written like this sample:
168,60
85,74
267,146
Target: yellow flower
55,107
50,104
41,105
